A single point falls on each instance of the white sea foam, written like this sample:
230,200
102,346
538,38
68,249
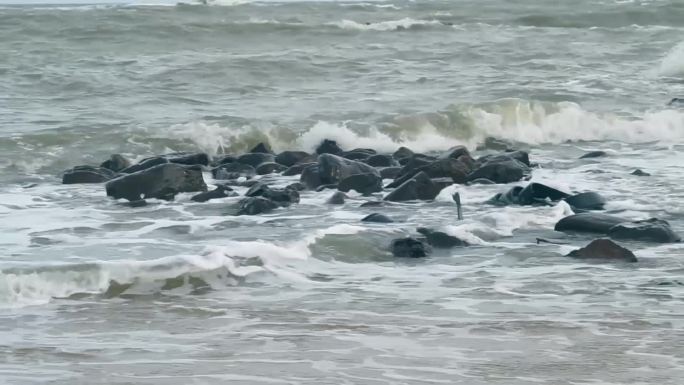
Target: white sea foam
673,63
389,25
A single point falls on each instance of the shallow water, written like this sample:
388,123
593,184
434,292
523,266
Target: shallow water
92,291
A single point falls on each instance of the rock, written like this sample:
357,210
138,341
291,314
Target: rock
503,171
290,158
510,197
233,171
676,102
594,154
586,201
441,168
163,181
281,197
377,218
604,249
481,181
324,187
255,205
263,148
372,204
258,189
440,239
588,223
362,183
297,169
639,172
381,161
389,172
87,174
329,147
270,168
337,198
521,156
297,186
145,164
310,177
333,169
225,159
254,159
415,162
138,203
409,248
537,193
454,152
358,154
402,153
419,187
198,159
650,230
221,191
116,163
495,144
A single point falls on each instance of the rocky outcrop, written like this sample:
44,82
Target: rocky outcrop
420,187
163,181
116,163
87,174
440,240
362,183
409,248
604,249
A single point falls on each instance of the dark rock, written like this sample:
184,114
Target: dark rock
270,168
377,218
263,148
588,223
586,201
676,102
362,183
503,171
233,171
297,169
310,177
402,153
358,154
594,154
650,230
381,161
510,197
409,248
440,239
138,203
145,164
604,249
372,204
329,147
224,159
537,193
297,186
639,172
481,181
337,198
87,174
282,197
163,181
454,152
290,158
258,189
447,167
198,159
324,187
419,187
333,169
390,172
255,205
521,156
495,144
220,191
254,159
415,162
116,163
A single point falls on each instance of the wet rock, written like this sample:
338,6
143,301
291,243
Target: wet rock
324,187
409,248
337,198
650,230
281,197
362,183
138,203
500,171
87,174
495,144
298,169
254,159
255,206
270,168
451,168
586,201
403,153
290,158
360,154
196,159
377,218
116,163
604,249
381,161
420,187
676,102
233,171
440,240
221,191
333,169
454,152
224,159
594,154
639,172
537,193
481,181
588,223
297,186
390,172
521,156
145,164
163,181
372,204
414,163
263,148
329,147
510,197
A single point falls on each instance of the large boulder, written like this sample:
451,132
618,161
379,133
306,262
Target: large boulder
440,168
255,205
188,159
650,230
233,171
390,172
116,163
87,174
163,181
441,240
332,169
297,169
358,154
381,160
454,152
402,153
420,187
586,201
409,248
604,249
362,183
588,223
311,178
506,170
282,197
521,156
329,147
290,158
254,159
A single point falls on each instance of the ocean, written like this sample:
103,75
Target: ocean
93,291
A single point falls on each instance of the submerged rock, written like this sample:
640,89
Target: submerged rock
220,191
441,239
255,205
337,198
409,248
594,154
362,183
163,181
604,249
586,201
377,218
640,172
116,163
650,230
588,223
87,174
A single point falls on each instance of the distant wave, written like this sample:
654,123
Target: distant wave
389,25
